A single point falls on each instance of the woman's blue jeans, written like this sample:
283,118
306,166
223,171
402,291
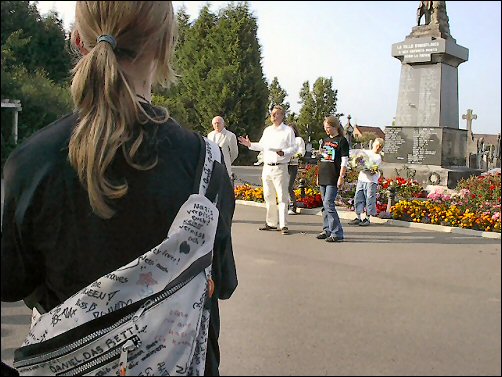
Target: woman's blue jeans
331,221
365,197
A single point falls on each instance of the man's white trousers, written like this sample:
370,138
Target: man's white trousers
275,184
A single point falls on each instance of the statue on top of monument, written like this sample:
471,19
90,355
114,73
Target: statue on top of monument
425,9
436,19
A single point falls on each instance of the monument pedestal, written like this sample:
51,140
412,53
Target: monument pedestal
428,87
430,174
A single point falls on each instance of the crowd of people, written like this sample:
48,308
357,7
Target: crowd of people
281,147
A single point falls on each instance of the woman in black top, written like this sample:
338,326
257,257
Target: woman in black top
97,188
332,169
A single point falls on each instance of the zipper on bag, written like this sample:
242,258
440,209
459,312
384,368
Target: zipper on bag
162,295
121,351
128,346
115,353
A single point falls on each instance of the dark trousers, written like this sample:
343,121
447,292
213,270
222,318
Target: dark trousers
293,172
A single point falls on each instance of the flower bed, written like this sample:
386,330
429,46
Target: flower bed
429,212
475,205
246,192
403,188
312,198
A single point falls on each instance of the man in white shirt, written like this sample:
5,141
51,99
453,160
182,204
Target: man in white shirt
226,140
278,145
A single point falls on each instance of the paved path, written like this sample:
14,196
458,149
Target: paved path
389,301
247,175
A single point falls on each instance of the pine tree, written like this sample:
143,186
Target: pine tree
48,44
196,62
277,95
316,105
183,99
240,90
218,59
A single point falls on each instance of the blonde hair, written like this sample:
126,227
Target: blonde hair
334,122
110,114
380,141
280,108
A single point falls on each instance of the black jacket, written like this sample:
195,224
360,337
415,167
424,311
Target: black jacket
52,239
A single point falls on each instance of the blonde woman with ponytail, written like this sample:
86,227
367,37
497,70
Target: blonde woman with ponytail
101,186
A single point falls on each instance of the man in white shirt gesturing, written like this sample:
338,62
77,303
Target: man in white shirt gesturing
278,145
226,140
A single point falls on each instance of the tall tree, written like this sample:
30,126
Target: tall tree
35,68
316,105
277,95
18,15
192,63
219,61
240,90
48,44
177,98
53,49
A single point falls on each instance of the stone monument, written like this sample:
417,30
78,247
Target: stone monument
426,134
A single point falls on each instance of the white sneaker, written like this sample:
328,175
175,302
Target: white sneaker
291,212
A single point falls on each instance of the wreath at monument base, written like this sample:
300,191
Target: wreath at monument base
434,178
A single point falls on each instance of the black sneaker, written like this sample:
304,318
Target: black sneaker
285,230
267,227
356,221
365,222
333,239
322,236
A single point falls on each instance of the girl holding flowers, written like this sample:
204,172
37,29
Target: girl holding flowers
367,182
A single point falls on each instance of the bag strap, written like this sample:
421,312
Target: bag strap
200,165
208,172
207,176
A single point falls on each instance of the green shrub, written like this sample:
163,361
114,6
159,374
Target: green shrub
42,103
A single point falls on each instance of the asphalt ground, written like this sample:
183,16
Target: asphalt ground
387,301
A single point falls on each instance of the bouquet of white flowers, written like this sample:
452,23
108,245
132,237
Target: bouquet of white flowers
360,161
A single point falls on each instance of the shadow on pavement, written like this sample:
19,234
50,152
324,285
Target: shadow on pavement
379,233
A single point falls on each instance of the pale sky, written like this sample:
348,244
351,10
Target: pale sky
351,42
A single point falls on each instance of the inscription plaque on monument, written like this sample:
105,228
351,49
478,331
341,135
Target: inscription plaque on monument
393,140
426,142
418,50
425,146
